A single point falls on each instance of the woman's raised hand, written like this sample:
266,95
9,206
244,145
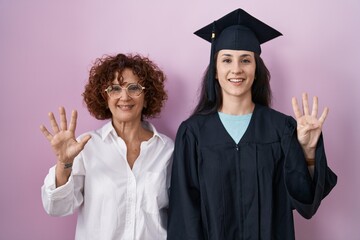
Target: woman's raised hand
62,140
308,125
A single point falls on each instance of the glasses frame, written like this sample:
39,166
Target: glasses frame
109,89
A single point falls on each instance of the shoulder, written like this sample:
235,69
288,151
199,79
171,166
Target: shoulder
263,110
168,142
272,116
269,118
197,122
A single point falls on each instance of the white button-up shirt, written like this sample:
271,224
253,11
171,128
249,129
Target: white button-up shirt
115,201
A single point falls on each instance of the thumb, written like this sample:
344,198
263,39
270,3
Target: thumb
84,141
313,126
309,127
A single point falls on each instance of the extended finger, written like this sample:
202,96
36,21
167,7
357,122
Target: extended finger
63,121
305,103
324,115
53,123
73,121
296,108
315,107
46,133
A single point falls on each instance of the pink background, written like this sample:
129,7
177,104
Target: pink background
47,47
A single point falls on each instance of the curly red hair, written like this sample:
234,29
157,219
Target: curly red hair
103,73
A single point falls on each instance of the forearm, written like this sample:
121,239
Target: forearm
310,159
309,154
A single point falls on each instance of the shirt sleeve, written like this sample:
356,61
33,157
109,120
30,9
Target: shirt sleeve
65,199
305,192
184,205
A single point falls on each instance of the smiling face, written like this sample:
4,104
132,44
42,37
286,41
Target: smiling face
125,108
235,73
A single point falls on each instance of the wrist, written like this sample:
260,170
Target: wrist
64,165
309,153
62,173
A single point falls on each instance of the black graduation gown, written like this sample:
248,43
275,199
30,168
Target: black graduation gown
221,190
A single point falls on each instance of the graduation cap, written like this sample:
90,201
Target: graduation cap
237,30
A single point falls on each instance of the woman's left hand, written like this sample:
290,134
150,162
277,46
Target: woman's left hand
308,125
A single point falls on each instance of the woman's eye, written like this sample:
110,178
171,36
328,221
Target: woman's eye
226,60
133,87
116,88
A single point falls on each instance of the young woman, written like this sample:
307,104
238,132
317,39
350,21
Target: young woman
117,176
240,167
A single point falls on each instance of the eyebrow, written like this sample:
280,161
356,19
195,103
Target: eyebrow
123,83
230,55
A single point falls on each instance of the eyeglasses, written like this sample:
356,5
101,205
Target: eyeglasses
132,90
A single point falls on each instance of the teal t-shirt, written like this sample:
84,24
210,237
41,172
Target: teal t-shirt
235,125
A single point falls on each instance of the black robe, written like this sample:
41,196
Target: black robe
222,190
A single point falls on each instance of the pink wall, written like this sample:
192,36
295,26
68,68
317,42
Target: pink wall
46,49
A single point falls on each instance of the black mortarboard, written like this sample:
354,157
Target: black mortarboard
237,30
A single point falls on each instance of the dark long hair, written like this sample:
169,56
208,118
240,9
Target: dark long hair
260,90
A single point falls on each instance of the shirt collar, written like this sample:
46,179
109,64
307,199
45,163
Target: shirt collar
108,129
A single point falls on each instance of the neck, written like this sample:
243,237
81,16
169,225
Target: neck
129,131
236,106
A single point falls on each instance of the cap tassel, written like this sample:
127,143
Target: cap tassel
211,74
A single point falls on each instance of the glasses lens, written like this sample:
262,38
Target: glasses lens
113,91
134,89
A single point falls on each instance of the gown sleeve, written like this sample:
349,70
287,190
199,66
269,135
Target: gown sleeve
305,193
184,203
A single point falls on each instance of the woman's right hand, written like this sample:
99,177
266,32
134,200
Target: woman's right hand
62,140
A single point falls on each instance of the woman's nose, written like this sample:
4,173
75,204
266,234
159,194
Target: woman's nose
124,95
237,69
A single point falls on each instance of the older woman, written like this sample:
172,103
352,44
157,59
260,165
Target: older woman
117,176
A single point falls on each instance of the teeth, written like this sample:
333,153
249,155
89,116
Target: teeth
125,106
236,80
